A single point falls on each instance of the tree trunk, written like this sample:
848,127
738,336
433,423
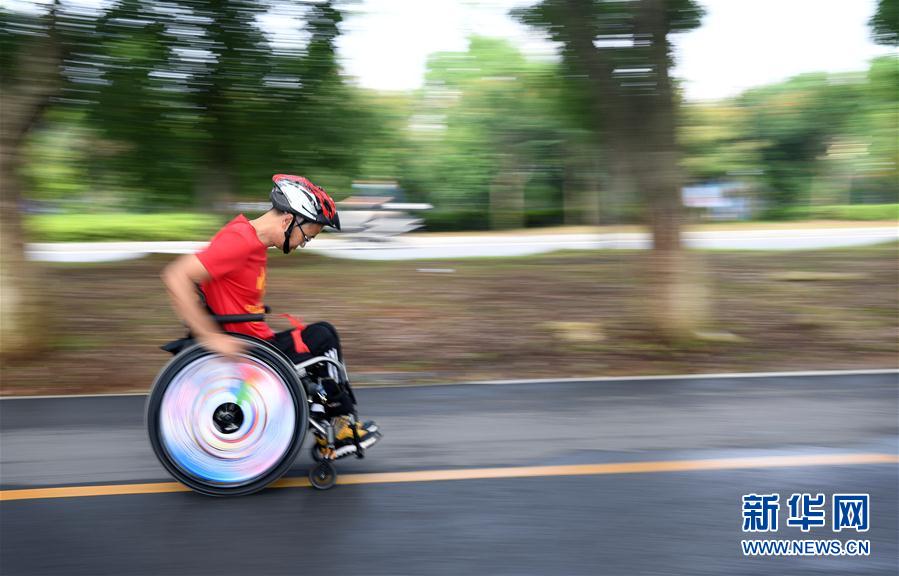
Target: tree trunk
22,106
572,186
678,293
507,195
676,284
622,190
215,189
217,185
580,189
21,318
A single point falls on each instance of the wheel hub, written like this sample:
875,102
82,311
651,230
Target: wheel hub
227,418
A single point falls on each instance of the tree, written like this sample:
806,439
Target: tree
182,83
794,124
885,23
815,139
623,53
33,50
715,143
198,102
494,130
878,125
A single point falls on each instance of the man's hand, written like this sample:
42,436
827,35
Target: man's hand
224,344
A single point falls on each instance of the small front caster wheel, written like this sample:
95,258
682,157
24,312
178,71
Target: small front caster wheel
323,475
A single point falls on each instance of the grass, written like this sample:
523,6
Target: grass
111,227
556,315
862,212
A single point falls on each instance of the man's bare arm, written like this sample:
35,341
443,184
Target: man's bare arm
180,278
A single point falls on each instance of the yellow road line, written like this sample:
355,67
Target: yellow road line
486,473
76,491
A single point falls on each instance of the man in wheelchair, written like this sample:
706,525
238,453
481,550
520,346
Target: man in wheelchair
231,276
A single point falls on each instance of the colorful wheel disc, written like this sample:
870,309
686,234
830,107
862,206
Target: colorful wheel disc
225,422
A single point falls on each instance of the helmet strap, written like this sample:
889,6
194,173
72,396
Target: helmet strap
287,233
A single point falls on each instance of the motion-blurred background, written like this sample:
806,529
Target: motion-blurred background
159,120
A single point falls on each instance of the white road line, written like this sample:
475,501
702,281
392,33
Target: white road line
733,375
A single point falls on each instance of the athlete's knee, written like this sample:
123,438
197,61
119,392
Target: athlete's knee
328,327
321,335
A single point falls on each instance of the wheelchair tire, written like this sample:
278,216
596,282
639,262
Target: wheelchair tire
323,475
227,428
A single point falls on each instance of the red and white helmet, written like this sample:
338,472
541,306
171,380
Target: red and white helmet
299,196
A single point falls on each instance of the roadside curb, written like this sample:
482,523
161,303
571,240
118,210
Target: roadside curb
597,379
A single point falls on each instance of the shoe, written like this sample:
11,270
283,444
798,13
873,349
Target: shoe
343,437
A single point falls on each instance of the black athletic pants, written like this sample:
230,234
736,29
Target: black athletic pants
322,340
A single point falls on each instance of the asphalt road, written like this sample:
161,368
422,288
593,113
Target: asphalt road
425,246
686,521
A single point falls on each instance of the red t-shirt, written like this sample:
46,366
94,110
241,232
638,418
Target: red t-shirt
235,260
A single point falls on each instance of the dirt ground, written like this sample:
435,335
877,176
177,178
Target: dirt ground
570,314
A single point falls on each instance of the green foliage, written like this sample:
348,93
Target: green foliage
443,220
885,23
14,27
606,18
100,227
487,123
610,77
544,217
57,156
795,121
174,104
382,134
189,102
715,144
847,212
816,139
877,171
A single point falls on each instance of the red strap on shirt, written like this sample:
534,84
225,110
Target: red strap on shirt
298,343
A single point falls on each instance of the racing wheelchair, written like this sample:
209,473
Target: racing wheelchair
230,428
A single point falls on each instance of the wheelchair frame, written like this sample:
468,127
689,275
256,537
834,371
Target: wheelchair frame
323,475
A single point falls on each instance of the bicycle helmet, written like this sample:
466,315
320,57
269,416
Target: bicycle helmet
306,201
